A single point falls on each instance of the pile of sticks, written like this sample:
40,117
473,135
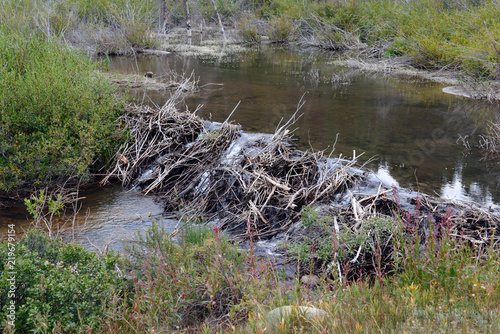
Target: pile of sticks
181,158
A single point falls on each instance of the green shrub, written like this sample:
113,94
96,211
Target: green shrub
59,286
369,244
57,115
397,48
280,29
247,30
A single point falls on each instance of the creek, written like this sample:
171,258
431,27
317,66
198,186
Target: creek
407,128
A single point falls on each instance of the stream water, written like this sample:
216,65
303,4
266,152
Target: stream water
407,129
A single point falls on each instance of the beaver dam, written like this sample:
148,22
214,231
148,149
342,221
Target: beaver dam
259,186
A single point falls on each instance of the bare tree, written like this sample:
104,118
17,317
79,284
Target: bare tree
188,19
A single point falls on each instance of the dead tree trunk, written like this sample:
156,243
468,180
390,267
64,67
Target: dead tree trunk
163,15
218,17
188,20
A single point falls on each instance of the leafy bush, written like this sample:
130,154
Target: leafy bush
247,30
280,29
57,115
61,287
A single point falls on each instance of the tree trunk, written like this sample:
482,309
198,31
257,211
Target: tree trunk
218,17
163,15
188,19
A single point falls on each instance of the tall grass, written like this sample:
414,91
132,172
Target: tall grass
199,281
439,284
109,26
202,279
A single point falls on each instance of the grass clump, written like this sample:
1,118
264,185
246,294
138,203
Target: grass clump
202,279
57,116
247,30
280,30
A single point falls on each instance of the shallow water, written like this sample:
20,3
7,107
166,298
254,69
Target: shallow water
407,129
106,216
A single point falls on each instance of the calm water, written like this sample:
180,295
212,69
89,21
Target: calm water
407,127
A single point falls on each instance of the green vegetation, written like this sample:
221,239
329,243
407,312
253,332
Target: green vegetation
321,246
433,34
280,30
59,287
199,281
104,26
247,30
58,123
210,282
57,116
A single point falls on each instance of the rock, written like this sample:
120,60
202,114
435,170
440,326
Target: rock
310,313
310,280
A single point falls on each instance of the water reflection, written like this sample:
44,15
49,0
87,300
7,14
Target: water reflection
408,124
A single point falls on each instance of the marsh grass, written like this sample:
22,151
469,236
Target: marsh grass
434,34
112,26
442,285
280,30
247,28
200,279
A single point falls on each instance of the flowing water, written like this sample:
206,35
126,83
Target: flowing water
407,129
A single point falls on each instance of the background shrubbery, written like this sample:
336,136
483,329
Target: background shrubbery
433,34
